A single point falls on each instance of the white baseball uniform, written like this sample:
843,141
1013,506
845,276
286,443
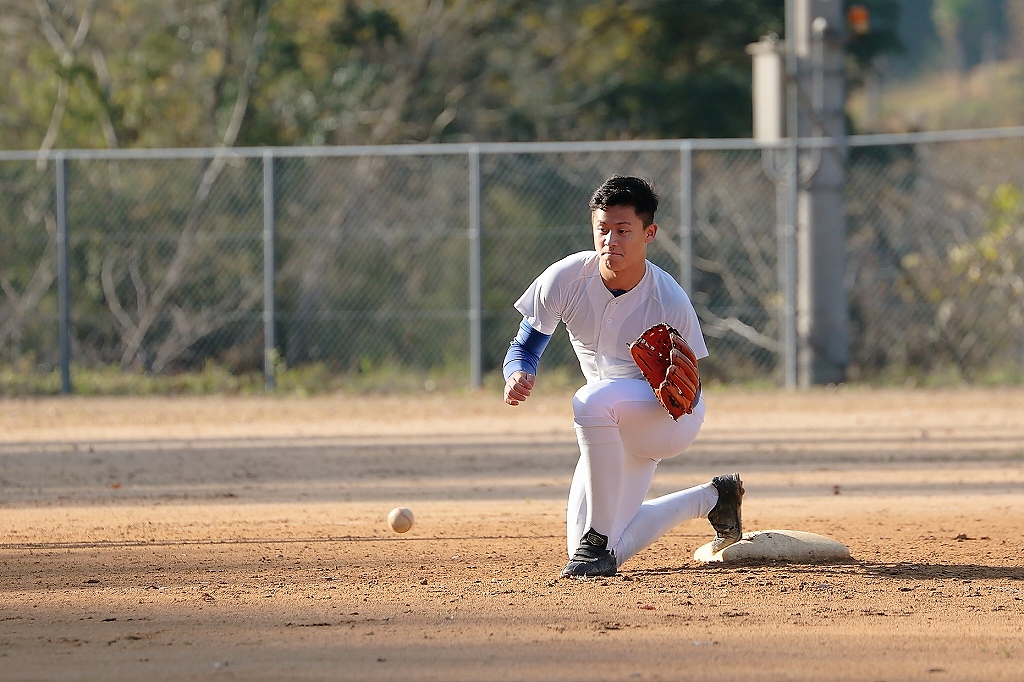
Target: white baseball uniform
622,430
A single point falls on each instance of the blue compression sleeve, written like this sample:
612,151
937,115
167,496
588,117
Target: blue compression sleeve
525,350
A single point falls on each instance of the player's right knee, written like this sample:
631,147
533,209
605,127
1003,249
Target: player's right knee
594,405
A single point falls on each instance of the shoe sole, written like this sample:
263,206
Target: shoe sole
566,573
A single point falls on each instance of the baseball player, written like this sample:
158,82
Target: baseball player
607,298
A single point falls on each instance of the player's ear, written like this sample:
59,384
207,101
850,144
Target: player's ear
650,231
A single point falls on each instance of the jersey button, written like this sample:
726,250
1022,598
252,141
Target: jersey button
609,320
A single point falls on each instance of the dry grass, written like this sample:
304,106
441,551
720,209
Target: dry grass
989,96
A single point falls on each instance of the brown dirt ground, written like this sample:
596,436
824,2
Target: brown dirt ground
245,538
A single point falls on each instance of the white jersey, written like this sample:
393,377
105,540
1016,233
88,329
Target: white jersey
601,326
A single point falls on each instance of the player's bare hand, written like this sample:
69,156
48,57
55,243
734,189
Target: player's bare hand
518,387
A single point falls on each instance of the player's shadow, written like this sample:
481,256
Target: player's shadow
902,570
920,571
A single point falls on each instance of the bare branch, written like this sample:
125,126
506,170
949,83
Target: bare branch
51,33
8,288
105,86
716,326
186,240
205,321
110,293
216,13
39,284
432,28
56,118
245,83
66,54
83,27
137,281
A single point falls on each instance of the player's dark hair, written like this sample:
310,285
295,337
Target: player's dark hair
626,190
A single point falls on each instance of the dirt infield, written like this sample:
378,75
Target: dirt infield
245,538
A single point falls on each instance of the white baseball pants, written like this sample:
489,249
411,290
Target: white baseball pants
623,433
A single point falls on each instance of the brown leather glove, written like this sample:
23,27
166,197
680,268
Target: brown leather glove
670,367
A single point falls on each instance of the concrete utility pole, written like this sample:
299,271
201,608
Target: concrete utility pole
813,320
823,347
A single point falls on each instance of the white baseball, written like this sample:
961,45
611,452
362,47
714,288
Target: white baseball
400,519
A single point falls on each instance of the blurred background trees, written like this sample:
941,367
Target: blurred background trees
961,66
154,73
166,257
148,73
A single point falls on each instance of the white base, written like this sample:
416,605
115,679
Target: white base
783,545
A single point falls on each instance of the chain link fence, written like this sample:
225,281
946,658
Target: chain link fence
936,259
360,259
374,262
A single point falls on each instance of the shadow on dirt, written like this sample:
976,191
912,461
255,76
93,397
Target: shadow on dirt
920,571
904,570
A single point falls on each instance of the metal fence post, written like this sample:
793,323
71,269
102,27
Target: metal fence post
788,267
63,289
269,337
686,217
475,286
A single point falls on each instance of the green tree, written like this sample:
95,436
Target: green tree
148,73
975,288
137,73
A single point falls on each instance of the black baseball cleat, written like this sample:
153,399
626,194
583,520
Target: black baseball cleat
592,559
725,517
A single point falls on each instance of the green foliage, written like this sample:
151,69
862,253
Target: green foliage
171,73
175,73
358,26
24,379
948,14
996,258
975,288
152,73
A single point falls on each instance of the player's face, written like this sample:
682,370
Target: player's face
621,239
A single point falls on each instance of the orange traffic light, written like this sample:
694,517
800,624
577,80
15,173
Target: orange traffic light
859,19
